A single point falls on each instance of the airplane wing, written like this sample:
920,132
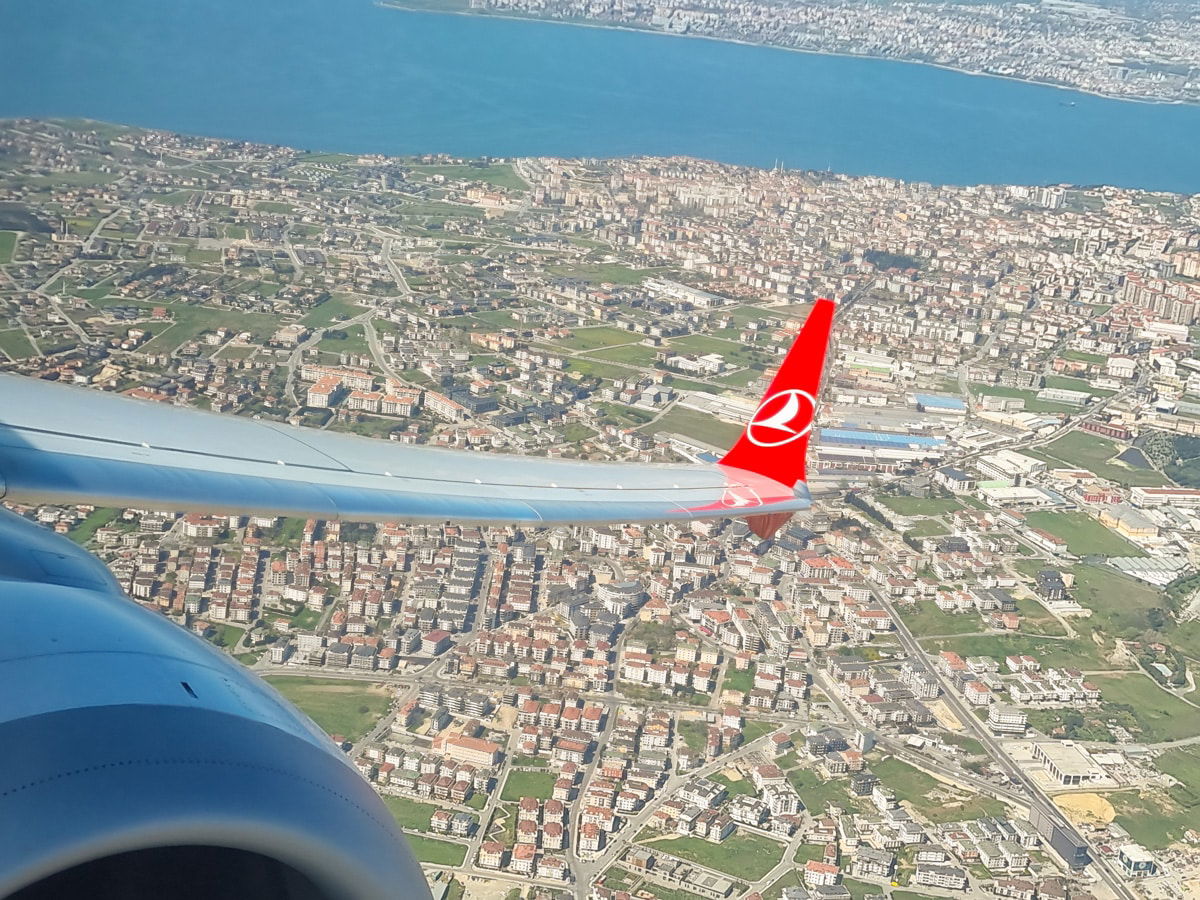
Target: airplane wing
60,444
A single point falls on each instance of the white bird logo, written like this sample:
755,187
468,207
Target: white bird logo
784,419
740,497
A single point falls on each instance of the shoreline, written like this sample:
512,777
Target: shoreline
485,14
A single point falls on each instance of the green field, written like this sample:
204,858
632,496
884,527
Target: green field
1154,818
1120,605
97,519
274,206
15,344
324,314
600,273
597,369
501,175
1182,763
1080,652
1092,452
599,336
8,244
794,878
1083,534
925,619
919,506
696,425
752,730
745,856
410,813
190,320
915,787
815,791
744,786
694,734
740,378
735,680
1161,715
629,354
734,353
1036,620
435,852
927,528
354,341
528,784
1080,356
1032,403
1066,382
348,708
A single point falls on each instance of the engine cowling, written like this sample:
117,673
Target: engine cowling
136,760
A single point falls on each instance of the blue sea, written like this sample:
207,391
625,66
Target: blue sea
348,75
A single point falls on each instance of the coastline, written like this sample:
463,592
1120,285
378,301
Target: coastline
586,23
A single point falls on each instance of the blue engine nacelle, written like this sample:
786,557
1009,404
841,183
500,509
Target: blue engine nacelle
138,761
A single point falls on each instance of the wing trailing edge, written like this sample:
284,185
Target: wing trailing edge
60,444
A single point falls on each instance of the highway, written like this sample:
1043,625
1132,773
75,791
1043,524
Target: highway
1030,789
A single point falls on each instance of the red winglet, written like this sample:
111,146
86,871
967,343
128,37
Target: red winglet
775,441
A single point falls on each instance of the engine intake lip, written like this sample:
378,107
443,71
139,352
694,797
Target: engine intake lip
78,785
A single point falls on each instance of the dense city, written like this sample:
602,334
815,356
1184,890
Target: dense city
969,670
1131,50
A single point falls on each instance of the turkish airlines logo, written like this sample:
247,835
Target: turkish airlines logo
740,497
782,418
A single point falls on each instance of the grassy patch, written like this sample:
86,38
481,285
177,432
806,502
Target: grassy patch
529,762
920,506
228,636
8,245
528,784
477,800
1083,534
1036,620
745,856
274,206
1032,403
744,786
815,791
203,257
15,343
1161,715
1153,818
346,340
1079,653
696,425
1092,452
926,619
335,307
752,731
793,878
188,321
629,354
97,519
736,680
435,852
1120,605
694,734
410,813
599,336
597,369
917,788
927,528
349,708
500,175
604,273
1067,383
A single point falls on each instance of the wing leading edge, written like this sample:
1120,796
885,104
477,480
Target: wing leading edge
61,444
